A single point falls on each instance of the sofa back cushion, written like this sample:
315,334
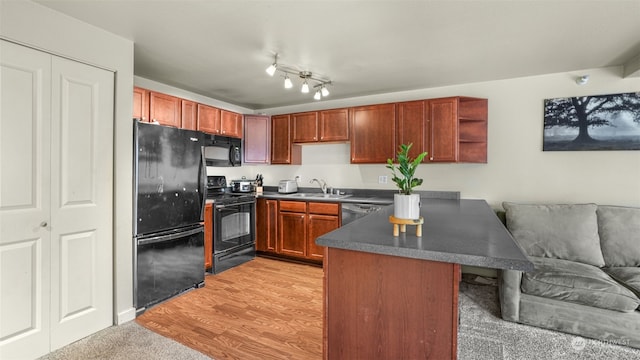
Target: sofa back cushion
568,232
619,229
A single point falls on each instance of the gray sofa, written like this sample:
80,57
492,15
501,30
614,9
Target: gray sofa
587,276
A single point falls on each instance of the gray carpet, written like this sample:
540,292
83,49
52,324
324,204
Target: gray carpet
482,335
127,341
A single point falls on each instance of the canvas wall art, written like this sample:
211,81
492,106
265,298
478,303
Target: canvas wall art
598,122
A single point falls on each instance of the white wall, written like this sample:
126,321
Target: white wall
517,168
39,27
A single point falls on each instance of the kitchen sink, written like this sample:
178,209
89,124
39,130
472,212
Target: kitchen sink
317,196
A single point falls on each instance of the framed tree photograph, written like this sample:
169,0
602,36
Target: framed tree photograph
598,122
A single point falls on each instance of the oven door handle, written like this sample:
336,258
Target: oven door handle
221,206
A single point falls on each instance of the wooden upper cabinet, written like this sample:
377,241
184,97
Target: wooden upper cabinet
209,119
373,130
472,129
257,139
230,124
189,115
305,127
164,109
282,151
140,104
334,125
411,126
457,130
443,130
321,126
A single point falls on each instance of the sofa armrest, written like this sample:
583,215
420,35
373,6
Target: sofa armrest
509,288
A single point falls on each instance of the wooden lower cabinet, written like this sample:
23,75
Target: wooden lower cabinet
289,228
389,307
292,233
266,225
208,236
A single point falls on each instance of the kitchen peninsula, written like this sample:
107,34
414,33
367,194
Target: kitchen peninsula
397,297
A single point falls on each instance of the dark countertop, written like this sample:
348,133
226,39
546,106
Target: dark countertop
366,196
466,232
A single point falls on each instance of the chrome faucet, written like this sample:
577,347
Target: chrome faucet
322,184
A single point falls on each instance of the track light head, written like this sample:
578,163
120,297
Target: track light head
317,95
305,87
287,82
324,91
271,70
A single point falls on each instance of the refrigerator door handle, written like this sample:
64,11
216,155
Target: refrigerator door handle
168,237
203,183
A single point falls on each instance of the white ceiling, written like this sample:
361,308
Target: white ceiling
220,49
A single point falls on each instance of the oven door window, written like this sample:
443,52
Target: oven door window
234,226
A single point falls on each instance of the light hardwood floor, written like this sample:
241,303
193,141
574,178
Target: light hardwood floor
263,309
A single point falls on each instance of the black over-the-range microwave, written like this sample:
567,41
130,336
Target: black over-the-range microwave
222,150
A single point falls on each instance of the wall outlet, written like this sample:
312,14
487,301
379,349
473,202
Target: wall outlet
382,179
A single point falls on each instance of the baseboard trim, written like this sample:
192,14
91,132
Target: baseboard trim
126,316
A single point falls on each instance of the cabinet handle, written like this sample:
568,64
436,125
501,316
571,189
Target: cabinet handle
43,224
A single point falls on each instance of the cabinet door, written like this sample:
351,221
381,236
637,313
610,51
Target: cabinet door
319,225
208,236
305,127
334,125
282,151
208,119
164,109
266,225
443,130
230,124
140,104
292,239
373,133
189,115
411,126
256,139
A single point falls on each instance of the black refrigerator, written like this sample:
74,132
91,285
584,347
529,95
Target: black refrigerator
169,199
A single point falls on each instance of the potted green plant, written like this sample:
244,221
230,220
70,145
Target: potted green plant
406,204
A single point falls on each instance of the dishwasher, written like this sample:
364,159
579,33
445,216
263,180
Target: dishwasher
354,211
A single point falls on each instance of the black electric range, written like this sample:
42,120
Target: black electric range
218,191
234,225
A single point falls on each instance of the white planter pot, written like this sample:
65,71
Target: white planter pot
406,206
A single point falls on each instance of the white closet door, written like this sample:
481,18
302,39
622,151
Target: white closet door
56,182
25,159
81,202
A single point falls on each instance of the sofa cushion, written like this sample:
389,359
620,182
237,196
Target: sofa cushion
627,276
619,229
578,283
568,232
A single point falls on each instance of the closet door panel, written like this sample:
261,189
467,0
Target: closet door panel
25,158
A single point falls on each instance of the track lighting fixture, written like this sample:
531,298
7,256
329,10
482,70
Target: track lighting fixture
306,76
